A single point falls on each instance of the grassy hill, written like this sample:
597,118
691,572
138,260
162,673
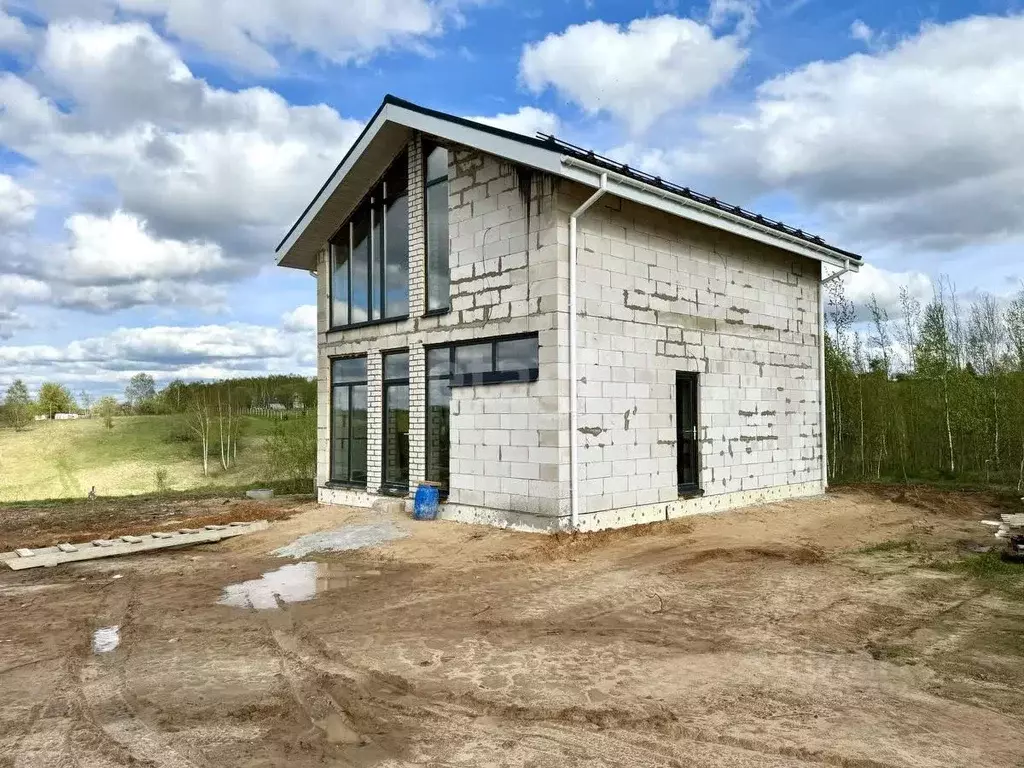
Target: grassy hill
141,454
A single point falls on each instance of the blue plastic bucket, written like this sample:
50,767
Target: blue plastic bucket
426,502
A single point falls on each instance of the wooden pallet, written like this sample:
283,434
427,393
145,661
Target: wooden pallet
20,559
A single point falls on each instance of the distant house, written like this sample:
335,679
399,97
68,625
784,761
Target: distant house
555,339
277,407
43,417
65,416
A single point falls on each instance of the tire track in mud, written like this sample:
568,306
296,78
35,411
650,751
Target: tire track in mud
107,706
609,735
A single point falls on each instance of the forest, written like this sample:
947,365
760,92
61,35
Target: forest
932,392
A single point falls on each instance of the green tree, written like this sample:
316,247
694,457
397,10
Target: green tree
140,392
106,408
55,398
18,405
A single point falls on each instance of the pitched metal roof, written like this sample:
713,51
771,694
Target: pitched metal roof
589,156
390,126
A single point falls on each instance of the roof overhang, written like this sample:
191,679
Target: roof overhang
394,123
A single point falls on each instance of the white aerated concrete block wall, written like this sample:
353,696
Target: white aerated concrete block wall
658,294
509,446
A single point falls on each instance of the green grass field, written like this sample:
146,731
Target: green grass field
64,459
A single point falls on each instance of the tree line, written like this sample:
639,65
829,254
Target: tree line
141,397
935,393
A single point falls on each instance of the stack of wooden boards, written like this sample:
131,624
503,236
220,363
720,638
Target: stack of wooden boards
126,545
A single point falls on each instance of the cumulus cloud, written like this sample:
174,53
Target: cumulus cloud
300,319
885,286
528,121
637,73
206,179
14,35
861,31
165,352
17,203
254,35
918,143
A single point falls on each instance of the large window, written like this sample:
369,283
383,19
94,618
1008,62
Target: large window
492,361
370,254
348,420
439,398
438,280
396,422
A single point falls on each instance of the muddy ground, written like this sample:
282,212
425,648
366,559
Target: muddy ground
856,630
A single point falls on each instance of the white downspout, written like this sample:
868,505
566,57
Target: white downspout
821,367
574,490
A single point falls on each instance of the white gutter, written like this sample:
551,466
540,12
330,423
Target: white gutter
821,366
574,468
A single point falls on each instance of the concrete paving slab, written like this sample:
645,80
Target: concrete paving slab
106,548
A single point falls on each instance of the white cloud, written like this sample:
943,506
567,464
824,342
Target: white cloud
119,249
300,319
14,34
17,204
917,144
206,179
256,35
885,286
165,352
721,12
861,31
528,121
637,73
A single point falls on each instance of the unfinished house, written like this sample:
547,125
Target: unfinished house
555,340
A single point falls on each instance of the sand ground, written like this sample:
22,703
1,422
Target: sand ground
813,632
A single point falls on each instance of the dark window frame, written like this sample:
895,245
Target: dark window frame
493,376
471,379
332,480
376,283
428,148
386,383
689,489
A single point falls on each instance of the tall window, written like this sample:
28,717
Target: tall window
438,281
439,398
467,364
348,420
396,422
370,254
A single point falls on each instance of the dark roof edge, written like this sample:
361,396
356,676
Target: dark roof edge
334,173
552,144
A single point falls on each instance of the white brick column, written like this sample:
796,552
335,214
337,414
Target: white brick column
417,416
375,420
323,372
417,231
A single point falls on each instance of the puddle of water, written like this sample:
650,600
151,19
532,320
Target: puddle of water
348,537
106,639
289,584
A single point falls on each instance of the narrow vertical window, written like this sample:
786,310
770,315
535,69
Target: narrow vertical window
359,304
438,281
396,422
396,239
687,453
376,258
339,277
439,396
348,420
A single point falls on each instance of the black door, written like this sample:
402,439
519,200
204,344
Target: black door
687,454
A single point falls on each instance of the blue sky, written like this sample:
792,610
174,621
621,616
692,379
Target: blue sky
152,152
